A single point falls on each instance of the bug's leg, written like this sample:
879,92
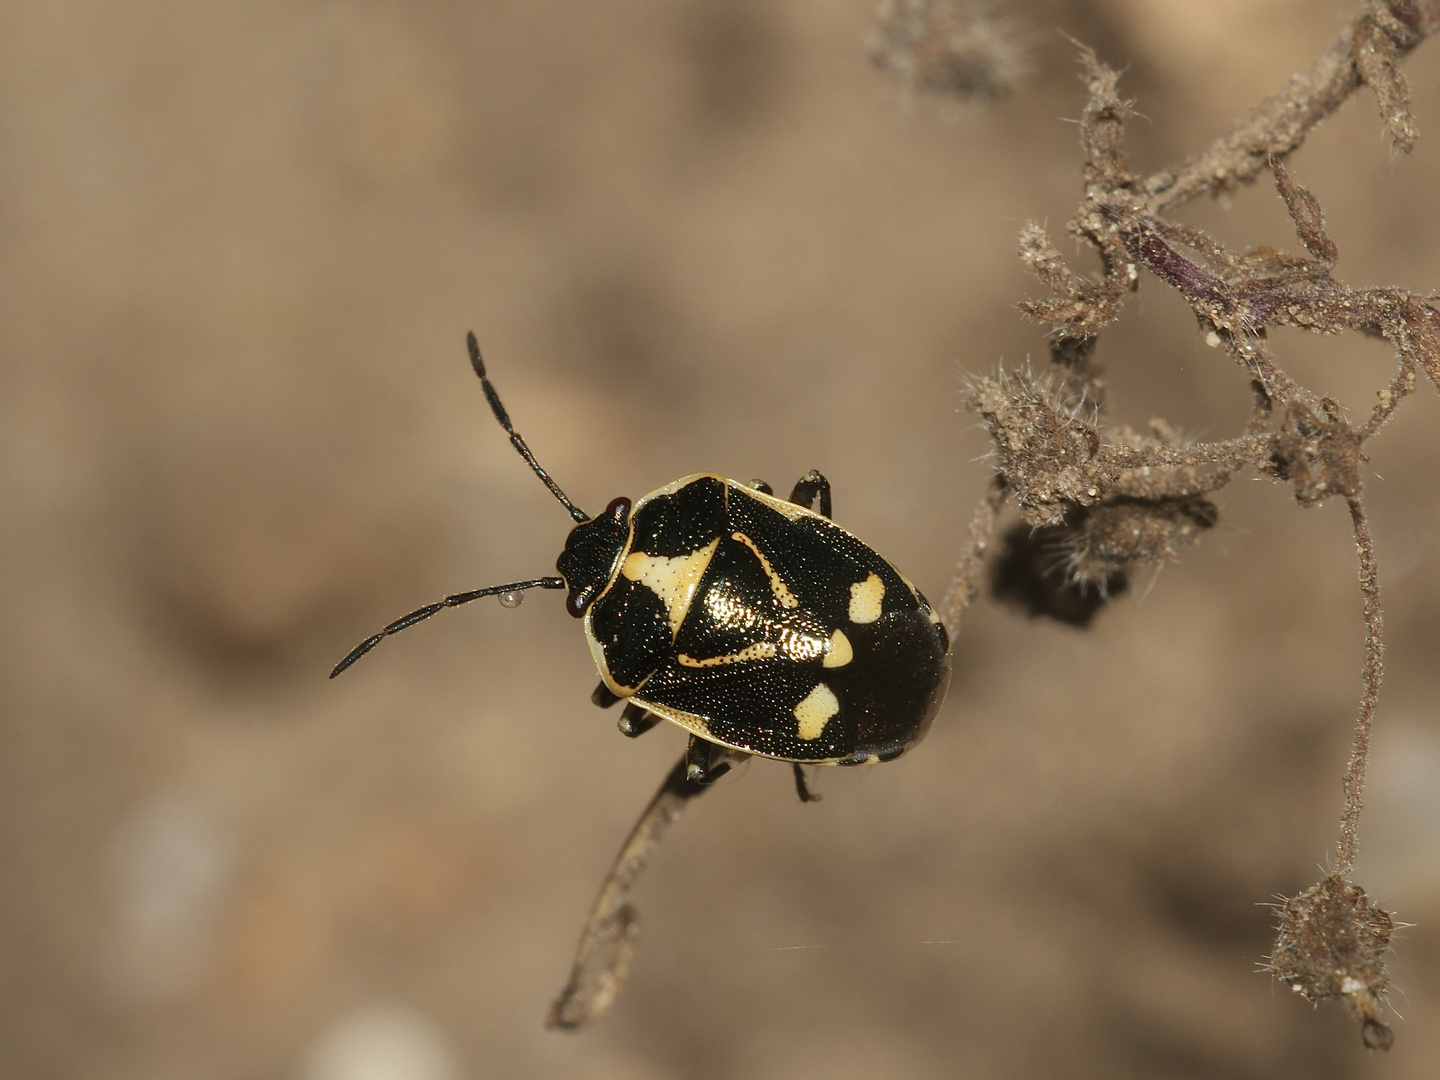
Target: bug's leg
603,697
700,764
808,487
761,485
635,721
801,787
607,944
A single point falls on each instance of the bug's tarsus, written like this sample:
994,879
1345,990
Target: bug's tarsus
420,614
635,721
801,787
699,767
478,363
806,489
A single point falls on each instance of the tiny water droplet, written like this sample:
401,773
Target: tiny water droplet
511,599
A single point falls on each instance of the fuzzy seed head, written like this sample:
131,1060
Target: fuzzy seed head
1046,447
1332,945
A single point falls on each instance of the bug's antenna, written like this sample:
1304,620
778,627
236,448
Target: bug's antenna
500,414
425,612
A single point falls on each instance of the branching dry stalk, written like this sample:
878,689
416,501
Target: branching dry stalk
1096,501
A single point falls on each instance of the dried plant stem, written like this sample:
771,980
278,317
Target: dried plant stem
1372,674
1097,500
1401,386
1226,452
1282,121
607,944
966,584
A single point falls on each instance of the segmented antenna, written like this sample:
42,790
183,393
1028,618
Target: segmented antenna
420,614
478,363
425,612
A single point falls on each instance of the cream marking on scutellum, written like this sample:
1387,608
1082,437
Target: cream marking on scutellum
867,599
673,579
761,650
815,710
777,586
792,646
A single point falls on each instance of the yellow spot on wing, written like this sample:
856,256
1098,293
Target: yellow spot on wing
837,650
815,710
761,650
778,587
867,599
673,579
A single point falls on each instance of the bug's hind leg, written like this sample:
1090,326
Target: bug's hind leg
705,762
801,787
806,489
635,721
607,944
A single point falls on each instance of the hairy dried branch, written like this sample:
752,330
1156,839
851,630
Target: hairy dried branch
1360,754
1365,53
1096,500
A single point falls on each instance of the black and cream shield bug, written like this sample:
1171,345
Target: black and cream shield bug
755,623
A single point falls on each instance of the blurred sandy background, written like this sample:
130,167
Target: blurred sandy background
240,246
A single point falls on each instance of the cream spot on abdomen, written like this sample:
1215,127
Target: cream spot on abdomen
838,652
867,599
815,710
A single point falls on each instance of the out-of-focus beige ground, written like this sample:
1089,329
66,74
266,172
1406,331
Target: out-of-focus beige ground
240,246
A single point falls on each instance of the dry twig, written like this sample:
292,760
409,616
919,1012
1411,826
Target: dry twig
1096,500
608,942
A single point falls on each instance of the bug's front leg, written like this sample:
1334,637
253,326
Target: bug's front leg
807,488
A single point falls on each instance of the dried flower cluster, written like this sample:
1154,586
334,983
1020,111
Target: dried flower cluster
1095,501
1332,945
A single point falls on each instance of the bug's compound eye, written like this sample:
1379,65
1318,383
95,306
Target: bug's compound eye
590,555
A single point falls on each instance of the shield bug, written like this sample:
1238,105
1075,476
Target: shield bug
755,623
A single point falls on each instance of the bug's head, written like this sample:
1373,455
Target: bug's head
590,553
